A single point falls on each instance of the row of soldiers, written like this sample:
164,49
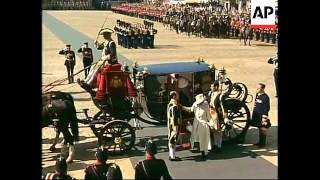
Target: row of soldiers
266,35
68,5
135,35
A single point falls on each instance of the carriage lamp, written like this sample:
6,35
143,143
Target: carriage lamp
125,67
212,67
222,75
135,64
145,71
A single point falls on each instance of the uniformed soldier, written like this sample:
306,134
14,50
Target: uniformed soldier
132,37
144,42
218,114
274,61
151,167
135,37
261,108
87,57
148,36
60,171
70,61
101,169
174,120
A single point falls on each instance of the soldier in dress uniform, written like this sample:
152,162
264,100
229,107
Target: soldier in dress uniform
174,121
135,37
69,62
87,57
101,169
144,42
218,114
274,61
261,108
60,171
151,167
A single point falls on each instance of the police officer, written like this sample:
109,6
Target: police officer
87,57
70,61
60,171
174,120
101,169
274,61
261,108
151,167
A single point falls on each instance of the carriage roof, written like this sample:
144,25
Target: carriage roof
177,67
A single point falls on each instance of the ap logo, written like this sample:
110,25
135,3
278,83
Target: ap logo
263,13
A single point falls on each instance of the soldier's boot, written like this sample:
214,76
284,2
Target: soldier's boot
71,154
259,142
263,138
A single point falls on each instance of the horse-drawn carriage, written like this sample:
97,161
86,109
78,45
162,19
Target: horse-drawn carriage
111,124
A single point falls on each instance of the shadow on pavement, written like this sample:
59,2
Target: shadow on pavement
166,46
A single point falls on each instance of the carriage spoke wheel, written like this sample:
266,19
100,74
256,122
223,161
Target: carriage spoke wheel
239,117
117,137
239,91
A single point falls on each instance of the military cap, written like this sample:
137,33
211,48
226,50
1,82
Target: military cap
86,43
61,165
151,147
102,154
106,31
68,45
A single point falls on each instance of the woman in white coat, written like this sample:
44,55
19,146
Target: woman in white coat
200,127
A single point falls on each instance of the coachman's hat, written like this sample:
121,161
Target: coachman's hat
106,31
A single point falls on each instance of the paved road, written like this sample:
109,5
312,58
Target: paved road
244,64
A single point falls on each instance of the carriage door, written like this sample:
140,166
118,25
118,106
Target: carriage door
157,96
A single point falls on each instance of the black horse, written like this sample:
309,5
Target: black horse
58,110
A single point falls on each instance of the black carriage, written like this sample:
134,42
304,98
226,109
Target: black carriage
153,84
155,81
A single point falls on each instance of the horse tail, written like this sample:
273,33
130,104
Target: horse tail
74,120
74,124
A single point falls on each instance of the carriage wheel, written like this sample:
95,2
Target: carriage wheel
239,91
117,136
239,116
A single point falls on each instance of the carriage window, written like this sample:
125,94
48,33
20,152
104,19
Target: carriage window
182,83
156,86
202,81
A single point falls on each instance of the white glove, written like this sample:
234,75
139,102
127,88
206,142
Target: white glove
227,121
